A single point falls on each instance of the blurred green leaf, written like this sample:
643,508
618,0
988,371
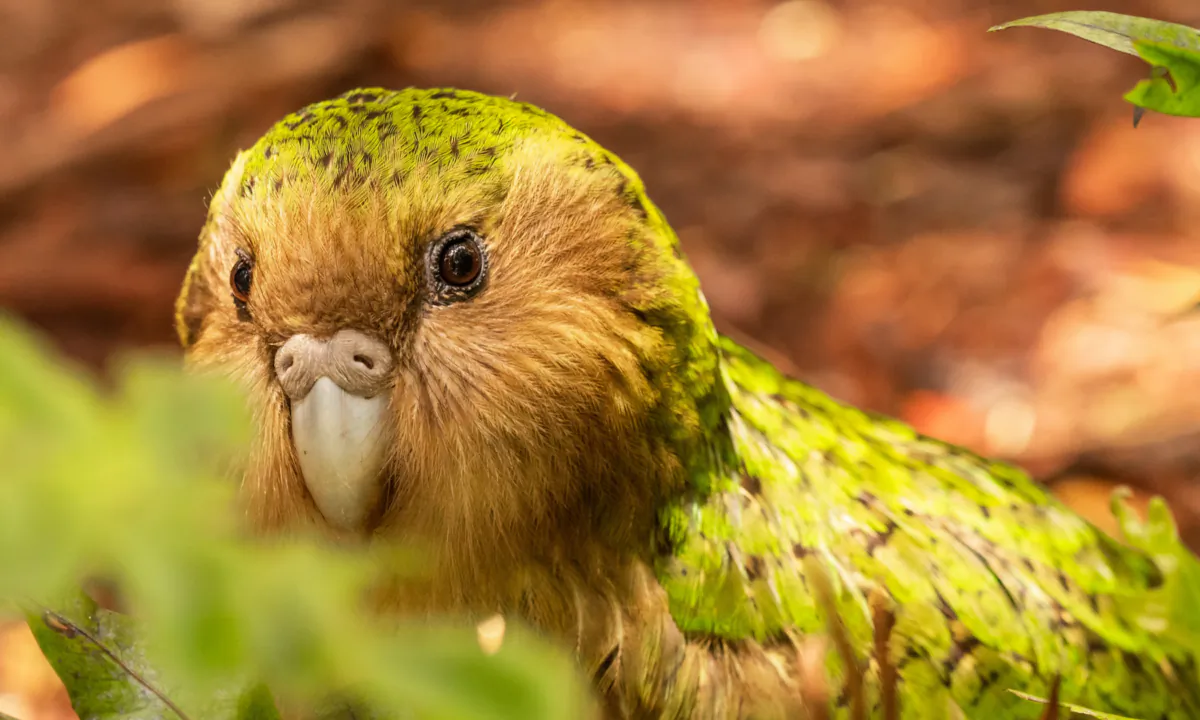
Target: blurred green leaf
1171,608
104,668
1073,710
1172,49
132,485
40,394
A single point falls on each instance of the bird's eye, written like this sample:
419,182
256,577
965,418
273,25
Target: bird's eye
241,278
458,264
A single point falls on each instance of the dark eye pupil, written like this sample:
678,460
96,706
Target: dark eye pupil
243,275
460,263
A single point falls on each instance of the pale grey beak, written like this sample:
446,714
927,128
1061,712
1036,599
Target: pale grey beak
339,403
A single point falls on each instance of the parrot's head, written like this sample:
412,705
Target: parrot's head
455,316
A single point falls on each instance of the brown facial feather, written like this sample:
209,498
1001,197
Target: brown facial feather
537,428
519,416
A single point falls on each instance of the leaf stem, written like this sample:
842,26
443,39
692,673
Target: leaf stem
62,625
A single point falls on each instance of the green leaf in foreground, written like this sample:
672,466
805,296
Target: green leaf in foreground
99,657
1159,537
128,485
1073,709
1172,49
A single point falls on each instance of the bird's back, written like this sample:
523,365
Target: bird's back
993,584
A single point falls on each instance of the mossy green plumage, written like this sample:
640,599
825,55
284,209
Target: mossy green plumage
992,584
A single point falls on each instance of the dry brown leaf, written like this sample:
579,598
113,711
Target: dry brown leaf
113,84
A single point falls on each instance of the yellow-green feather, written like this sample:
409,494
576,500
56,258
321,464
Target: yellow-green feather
366,142
995,585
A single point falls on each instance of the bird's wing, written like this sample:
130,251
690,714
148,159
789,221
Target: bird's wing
994,585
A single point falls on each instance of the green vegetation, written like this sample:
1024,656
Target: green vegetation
1172,50
125,484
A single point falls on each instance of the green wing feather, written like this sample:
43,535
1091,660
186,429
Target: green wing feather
995,584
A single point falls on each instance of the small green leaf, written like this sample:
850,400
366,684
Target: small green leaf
1112,30
1171,606
35,395
100,659
256,703
1157,93
1074,709
1172,49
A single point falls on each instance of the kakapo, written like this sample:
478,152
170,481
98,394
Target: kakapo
462,322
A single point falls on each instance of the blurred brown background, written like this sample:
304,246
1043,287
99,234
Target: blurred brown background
957,228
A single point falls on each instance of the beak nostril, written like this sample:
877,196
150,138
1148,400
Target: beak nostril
357,363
